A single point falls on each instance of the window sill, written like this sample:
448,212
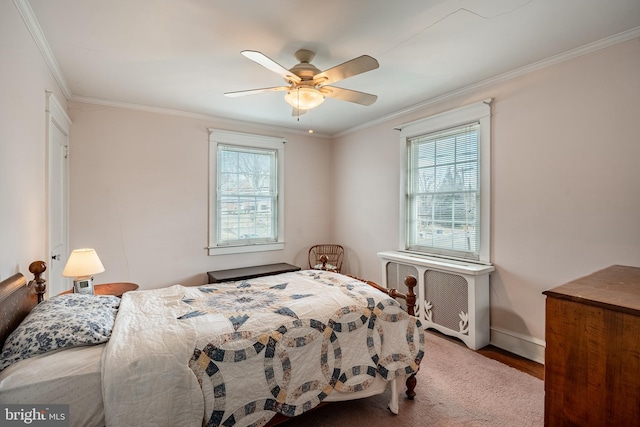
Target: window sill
224,250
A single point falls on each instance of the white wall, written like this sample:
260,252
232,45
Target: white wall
139,195
367,197
565,182
24,78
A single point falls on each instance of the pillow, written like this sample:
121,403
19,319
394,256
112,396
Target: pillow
327,267
62,321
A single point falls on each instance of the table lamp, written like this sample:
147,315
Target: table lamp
82,265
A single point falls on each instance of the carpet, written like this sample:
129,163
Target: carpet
456,387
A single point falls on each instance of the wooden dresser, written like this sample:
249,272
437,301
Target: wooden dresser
592,356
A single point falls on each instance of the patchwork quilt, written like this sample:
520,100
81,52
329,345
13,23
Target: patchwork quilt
237,353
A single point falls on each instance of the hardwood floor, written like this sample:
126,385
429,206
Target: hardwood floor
522,364
518,362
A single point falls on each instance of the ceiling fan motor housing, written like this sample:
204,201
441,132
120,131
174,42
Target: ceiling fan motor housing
305,71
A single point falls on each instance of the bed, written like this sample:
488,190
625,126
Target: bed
245,353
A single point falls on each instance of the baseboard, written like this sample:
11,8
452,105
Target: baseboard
522,345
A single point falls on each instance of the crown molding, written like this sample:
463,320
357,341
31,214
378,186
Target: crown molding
197,116
24,8
509,75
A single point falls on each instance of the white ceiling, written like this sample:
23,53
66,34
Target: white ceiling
184,54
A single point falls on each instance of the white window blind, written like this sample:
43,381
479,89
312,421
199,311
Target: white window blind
444,197
445,184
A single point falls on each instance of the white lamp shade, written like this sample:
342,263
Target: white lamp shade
304,98
83,263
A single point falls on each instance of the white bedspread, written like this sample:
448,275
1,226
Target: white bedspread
236,353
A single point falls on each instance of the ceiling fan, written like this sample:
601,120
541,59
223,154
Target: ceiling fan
307,85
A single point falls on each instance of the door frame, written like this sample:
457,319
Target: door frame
58,117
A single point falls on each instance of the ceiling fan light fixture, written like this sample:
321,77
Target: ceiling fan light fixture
304,98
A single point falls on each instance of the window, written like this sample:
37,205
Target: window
246,212
445,206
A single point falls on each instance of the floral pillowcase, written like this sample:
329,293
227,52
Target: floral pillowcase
63,321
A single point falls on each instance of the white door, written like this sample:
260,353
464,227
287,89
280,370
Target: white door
58,142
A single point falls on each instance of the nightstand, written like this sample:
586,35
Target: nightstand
116,289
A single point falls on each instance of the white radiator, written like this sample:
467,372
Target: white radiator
452,297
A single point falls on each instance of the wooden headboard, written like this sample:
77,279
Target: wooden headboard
17,298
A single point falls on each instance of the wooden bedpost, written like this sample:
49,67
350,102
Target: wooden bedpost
410,298
324,259
39,284
411,282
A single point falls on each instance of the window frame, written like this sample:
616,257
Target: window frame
478,112
252,141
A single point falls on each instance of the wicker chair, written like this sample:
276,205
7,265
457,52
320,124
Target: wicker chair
326,257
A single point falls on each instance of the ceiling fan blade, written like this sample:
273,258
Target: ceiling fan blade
295,112
356,66
254,91
348,95
270,64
